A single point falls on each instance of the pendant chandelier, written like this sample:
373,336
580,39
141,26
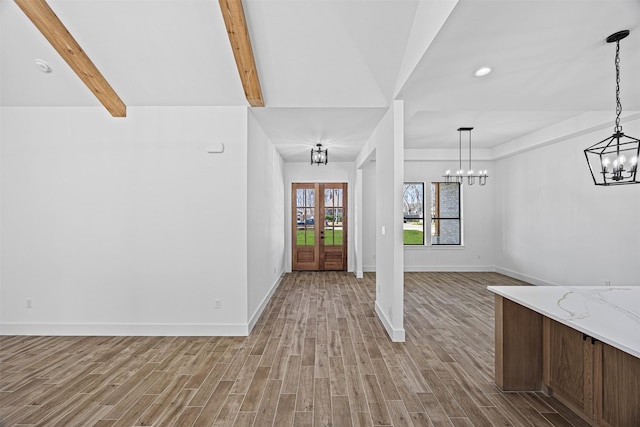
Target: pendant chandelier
319,156
460,174
614,160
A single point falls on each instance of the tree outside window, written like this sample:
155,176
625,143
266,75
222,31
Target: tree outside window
413,206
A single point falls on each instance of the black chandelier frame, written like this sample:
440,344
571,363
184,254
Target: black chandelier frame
319,156
614,160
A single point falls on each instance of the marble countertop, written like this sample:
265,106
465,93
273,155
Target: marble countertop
609,314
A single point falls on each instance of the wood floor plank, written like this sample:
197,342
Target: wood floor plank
355,390
464,400
341,411
174,408
256,388
187,418
286,410
403,385
337,376
243,379
304,399
434,409
361,419
279,366
268,406
245,419
318,355
385,380
399,415
229,410
444,397
322,405
292,375
165,400
208,386
303,419
134,412
420,419
375,398
213,407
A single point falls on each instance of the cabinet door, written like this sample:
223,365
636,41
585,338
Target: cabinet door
568,365
617,375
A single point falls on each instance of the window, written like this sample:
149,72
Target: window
413,195
445,213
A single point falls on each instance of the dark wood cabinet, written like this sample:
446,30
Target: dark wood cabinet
567,365
617,378
597,381
518,352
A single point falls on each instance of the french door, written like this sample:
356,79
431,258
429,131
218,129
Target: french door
319,226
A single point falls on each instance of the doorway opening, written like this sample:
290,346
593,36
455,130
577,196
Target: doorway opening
319,226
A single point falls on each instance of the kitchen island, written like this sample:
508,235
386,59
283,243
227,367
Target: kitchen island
580,344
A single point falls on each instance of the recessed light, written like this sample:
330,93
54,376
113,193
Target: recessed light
43,66
482,71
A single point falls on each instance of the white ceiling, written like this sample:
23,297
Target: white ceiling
329,68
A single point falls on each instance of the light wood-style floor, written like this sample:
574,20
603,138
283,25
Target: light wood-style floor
317,357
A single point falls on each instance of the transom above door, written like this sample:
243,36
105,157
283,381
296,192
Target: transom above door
319,226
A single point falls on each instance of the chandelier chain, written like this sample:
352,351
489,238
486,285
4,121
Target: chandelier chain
618,128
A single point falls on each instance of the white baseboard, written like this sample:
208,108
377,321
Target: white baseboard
121,329
396,335
525,278
263,304
449,268
436,268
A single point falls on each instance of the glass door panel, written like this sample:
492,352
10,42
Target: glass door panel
319,241
304,239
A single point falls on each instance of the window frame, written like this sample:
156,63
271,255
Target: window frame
435,199
405,217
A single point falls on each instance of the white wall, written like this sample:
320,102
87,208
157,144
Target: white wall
369,217
554,226
123,226
331,172
478,250
265,226
389,171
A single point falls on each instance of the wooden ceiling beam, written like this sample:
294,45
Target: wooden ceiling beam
43,17
236,24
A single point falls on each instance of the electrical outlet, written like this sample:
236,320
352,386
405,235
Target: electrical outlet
29,303
218,304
